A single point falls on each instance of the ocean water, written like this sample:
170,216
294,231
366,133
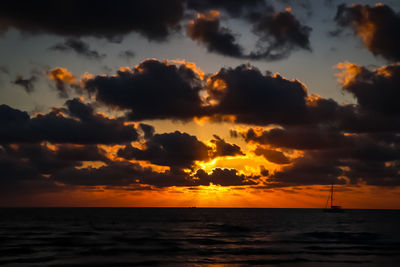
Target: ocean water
198,237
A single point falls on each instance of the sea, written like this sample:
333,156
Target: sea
198,237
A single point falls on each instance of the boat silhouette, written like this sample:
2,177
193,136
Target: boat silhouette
332,208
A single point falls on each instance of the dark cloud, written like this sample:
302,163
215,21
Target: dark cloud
20,177
206,30
307,171
151,90
113,174
38,167
253,97
82,127
340,143
47,160
159,90
274,156
375,173
378,26
127,174
225,177
280,33
174,177
27,83
175,149
365,148
332,148
154,19
376,90
148,130
355,119
333,143
26,168
37,157
370,159
225,149
81,153
303,137
79,47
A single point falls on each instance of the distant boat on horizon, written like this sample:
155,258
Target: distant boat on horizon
332,208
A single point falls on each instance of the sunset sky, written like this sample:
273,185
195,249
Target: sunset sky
206,103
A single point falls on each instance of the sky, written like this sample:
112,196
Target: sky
206,103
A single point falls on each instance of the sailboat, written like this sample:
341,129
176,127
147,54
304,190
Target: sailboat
332,208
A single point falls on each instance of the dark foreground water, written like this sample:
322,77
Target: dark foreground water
198,237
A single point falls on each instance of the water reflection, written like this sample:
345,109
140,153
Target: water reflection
197,237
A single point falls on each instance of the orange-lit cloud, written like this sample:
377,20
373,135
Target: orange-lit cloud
63,78
376,25
189,65
61,75
348,73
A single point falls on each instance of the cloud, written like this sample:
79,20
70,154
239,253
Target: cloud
306,171
274,156
169,90
151,90
306,127
62,78
223,148
79,47
315,140
126,174
154,19
355,143
206,30
47,160
302,137
25,168
352,147
81,153
161,90
83,126
27,83
19,177
225,177
279,33
178,150
378,26
370,160
256,98
148,130
355,119
39,168
376,90
113,174
375,173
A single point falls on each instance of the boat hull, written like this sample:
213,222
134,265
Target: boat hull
334,210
